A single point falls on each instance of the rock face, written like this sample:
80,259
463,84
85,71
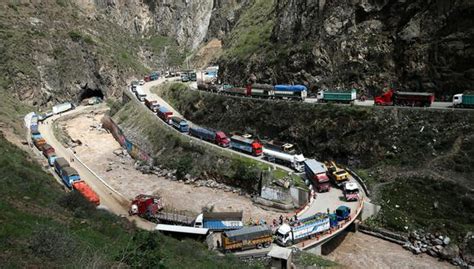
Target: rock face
417,45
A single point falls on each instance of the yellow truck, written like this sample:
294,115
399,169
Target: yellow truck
247,238
337,174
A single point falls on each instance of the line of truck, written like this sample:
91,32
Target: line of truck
69,176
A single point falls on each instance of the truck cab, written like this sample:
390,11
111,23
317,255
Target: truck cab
322,183
222,140
384,99
343,212
283,235
351,191
298,163
257,148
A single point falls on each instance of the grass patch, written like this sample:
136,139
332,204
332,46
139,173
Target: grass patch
306,259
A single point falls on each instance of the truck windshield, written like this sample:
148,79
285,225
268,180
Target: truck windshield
352,191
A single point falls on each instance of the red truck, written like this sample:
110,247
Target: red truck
86,191
146,206
47,149
216,137
164,113
316,172
396,98
152,105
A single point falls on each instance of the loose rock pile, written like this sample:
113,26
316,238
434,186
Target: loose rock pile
435,245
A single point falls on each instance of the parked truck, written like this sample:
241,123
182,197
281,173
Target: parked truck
140,94
280,146
219,221
152,105
39,143
397,98
59,164
289,234
316,172
180,124
337,174
298,92
247,238
337,96
351,191
60,108
146,206
465,100
47,149
294,161
164,113
86,191
217,137
69,175
34,129
51,158
246,145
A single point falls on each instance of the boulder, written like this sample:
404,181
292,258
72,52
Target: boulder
449,252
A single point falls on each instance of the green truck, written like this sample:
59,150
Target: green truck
337,96
464,100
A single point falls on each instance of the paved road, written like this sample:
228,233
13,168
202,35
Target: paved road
147,90
109,198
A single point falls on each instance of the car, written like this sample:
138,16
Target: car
142,82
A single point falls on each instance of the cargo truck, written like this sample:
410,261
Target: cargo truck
397,98
217,137
337,96
247,238
180,124
219,221
59,164
140,94
51,158
289,234
180,231
86,191
298,92
316,173
261,90
62,108
34,129
47,149
465,100
280,146
337,174
235,91
39,143
69,175
152,105
294,161
164,113
246,145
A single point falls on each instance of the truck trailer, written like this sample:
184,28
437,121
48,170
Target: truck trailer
294,161
337,96
152,105
86,191
140,94
219,221
465,100
289,234
247,238
60,108
59,164
316,173
180,124
246,145
397,98
298,92
217,137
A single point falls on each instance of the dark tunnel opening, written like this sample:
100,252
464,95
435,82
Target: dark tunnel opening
89,93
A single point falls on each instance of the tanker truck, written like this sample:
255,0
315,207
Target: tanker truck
294,161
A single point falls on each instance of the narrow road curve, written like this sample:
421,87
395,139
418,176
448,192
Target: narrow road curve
109,198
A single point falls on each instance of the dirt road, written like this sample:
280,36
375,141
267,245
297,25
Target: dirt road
97,152
108,198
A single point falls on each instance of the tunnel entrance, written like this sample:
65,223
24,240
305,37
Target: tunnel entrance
87,93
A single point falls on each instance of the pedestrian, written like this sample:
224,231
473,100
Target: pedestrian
296,217
328,211
281,219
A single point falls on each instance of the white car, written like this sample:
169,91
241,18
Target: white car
142,82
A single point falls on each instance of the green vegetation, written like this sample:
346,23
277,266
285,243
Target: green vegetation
179,152
42,226
437,206
168,50
252,32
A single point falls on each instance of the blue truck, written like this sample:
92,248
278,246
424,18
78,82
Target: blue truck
219,221
298,92
69,175
216,137
180,124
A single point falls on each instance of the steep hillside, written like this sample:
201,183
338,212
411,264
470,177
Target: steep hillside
418,45
413,157
44,227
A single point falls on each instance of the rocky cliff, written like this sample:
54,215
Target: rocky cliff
420,45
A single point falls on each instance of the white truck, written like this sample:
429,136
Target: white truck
140,94
289,234
60,108
294,161
351,191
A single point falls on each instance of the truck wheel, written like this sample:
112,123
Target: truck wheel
259,246
267,245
